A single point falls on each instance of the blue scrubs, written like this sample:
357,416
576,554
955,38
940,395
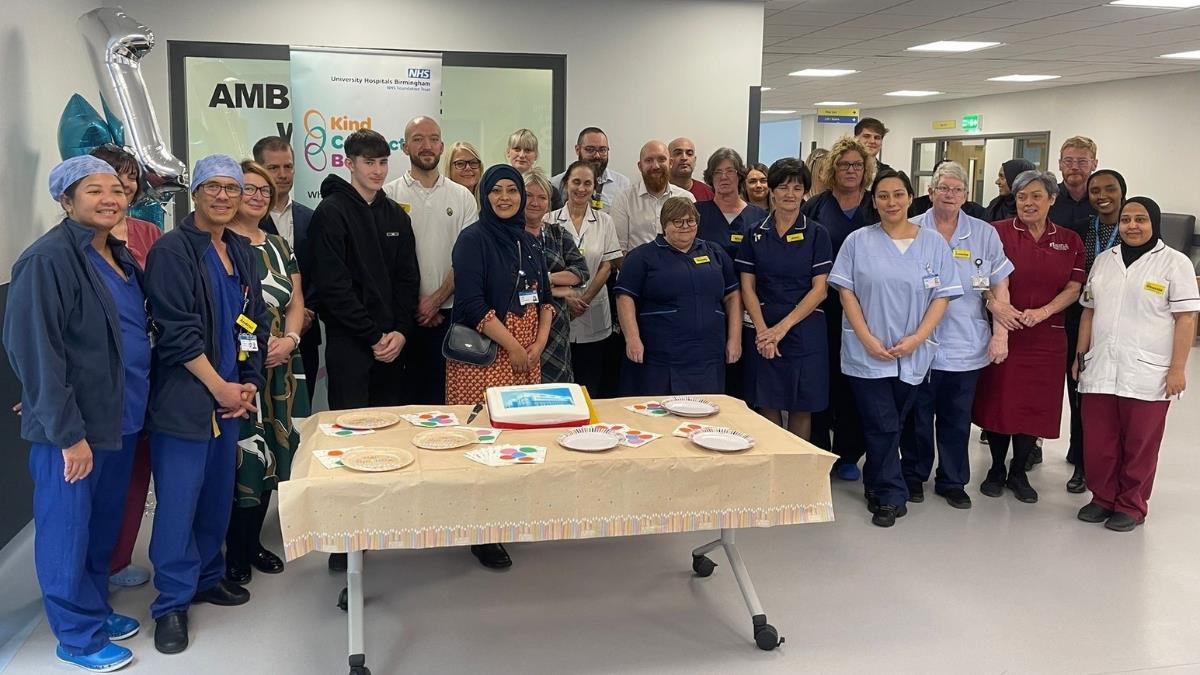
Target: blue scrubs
728,234
72,561
783,269
894,290
963,337
194,480
680,315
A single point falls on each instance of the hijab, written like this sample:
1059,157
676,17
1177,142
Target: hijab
1131,254
1015,167
506,231
1114,174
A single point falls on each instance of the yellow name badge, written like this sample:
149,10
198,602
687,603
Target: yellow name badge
406,206
700,260
736,238
797,236
962,254
245,322
1155,287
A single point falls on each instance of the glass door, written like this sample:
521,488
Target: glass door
981,155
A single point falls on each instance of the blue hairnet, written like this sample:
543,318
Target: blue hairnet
71,170
216,165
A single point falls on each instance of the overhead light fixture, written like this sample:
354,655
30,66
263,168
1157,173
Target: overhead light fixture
1023,78
822,72
834,104
955,46
1157,4
1182,55
912,92
765,88
777,112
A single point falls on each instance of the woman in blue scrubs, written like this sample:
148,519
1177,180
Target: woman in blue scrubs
81,349
896,280
843,208
680,311
784,264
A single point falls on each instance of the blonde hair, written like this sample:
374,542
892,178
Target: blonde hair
523,139
536,176
844,145
1080,143
448,162
816,160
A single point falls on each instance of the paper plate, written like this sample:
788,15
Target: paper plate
590,439
375,419
377,459
721,439
690,406
444,439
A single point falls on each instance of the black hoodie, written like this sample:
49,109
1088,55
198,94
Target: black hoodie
364,263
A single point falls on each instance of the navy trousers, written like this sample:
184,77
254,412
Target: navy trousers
193,483
883,404
942,411
77,525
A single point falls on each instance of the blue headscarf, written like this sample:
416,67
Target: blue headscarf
506,230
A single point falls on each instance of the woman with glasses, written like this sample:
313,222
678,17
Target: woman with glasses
754,188
268,440
680,310
464,166
843,208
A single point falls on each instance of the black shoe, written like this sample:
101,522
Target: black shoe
1018,482
993,484
1094,513
225,594
886,515
956,497
337,562
1122,522
237,574
1077,484
983,438
492,556
1035,456
266,562
872,502
916,491
171,633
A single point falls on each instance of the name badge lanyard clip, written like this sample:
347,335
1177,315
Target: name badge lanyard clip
527,295
247,341
980,281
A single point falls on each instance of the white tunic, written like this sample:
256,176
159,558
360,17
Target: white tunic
597,241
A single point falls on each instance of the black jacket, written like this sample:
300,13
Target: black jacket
185,312
364,264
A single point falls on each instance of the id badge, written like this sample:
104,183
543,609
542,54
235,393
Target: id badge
933,281
980,283
528,297
247,342
1087,293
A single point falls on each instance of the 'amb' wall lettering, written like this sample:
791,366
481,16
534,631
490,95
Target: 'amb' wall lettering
253,95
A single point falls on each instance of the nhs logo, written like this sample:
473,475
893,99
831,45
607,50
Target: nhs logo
419,73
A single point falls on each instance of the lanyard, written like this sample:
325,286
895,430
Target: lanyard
1111,238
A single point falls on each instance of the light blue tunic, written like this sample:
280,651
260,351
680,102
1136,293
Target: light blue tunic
964,332
894,289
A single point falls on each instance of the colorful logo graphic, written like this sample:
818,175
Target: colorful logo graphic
324,138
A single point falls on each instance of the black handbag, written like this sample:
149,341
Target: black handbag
467,345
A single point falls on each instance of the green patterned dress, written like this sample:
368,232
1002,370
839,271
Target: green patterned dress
268,438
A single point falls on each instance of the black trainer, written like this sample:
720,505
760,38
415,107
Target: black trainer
1018,482
1077,484
1122,522
993,484
886,515
916,491
1094,513
956,497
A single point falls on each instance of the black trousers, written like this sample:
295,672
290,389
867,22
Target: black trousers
597,365
242,539
841,419
1022,446
424,365
1075,451
356,379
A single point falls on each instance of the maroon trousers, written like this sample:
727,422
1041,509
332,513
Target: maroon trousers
135,507
1121,437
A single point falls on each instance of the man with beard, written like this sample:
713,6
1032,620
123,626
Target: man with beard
439,210
1076,161
683,162
592,147
635,210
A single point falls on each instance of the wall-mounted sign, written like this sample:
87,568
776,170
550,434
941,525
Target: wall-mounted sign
972,124
945,124
837,115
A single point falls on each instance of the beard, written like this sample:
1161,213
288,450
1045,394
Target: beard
600,166
425,163
656,180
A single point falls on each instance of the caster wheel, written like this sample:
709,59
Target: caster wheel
343,601
766,637
703,566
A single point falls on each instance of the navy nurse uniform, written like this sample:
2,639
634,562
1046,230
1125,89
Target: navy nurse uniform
783,269
680,315
79,346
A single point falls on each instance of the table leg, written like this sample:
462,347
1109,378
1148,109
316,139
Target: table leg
354,612
765,635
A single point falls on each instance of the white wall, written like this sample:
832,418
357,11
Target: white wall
640,70
1144,128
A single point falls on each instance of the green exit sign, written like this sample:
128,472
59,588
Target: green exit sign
972,123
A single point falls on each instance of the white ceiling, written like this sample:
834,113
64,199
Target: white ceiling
1081,40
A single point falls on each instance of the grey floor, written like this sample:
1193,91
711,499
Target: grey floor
1003,588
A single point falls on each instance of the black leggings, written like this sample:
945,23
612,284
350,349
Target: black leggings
245,528
1022,447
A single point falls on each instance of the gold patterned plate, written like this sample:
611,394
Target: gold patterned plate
374,419
444,439
375,460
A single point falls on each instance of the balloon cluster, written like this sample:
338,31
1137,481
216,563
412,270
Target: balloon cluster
116,43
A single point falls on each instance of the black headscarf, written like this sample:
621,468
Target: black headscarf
1015,167
507,231
1130,254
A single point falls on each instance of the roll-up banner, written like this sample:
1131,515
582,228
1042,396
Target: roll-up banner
336,92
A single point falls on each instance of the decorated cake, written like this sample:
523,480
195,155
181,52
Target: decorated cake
538,406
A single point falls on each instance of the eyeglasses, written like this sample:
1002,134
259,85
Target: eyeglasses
462,164
725,172
251,190
850,166
214,189
947,190
595,150
683,223
1081,163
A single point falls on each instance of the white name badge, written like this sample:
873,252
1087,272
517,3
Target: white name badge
980,283
247,342
528,297
933,281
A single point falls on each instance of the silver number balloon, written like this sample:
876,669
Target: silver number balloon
116,43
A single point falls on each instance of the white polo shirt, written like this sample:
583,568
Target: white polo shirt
438,214
597,242
1133,322
635,213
